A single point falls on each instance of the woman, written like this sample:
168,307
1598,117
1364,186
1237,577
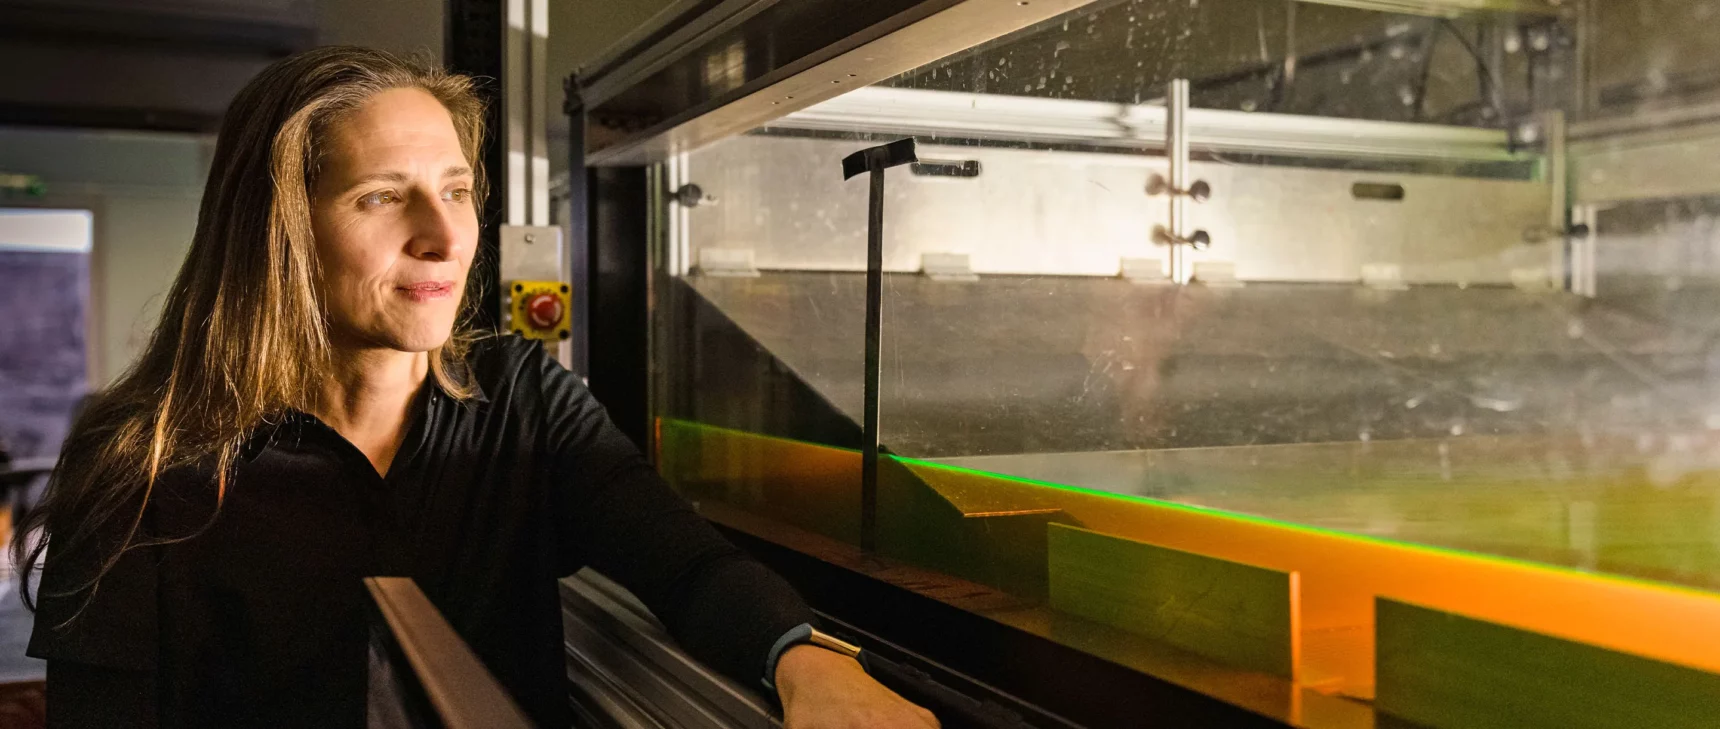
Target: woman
309,412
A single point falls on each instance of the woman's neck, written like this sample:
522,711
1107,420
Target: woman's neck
368,397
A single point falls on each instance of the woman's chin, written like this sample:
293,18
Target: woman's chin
423,341
415,339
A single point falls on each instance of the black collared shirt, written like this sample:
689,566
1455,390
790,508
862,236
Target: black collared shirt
260,619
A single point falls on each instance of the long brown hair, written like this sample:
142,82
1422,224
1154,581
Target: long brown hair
242,338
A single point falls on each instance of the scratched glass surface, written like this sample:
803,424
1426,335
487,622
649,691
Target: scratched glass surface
1487,324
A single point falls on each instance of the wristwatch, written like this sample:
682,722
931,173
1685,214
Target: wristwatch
804,634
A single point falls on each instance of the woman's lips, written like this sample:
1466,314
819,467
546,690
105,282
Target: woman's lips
428,290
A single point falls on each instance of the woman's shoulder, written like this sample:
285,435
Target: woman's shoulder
508,366
504,348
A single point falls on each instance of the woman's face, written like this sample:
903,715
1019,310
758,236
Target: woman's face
395,223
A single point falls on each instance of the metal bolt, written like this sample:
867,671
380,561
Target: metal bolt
691,195
1200,191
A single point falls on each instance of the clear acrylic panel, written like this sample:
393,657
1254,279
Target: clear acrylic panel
1424,311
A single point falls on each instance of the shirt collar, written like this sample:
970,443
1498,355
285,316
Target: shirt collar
478,394
262,436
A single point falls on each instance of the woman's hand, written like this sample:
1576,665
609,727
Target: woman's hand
822,689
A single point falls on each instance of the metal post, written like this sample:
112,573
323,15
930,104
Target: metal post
1559,205
874,369
1176,149
526,88
1558,175
525,174
578,224
475,33
1581,244
1588,91
874,160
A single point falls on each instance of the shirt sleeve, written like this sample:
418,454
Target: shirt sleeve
82,696
115,626
619,517
101,646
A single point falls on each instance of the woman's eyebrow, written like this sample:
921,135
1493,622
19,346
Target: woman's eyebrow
402,177
396,177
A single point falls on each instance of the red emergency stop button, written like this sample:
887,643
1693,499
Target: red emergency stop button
544,311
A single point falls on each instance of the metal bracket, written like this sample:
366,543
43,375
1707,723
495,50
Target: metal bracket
1199,240
874,160
1198,191
727,262
1176,235
1216,274
1534,279
877,159
1145,271
528,253
691,195
947,267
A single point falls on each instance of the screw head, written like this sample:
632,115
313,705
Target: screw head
1200,191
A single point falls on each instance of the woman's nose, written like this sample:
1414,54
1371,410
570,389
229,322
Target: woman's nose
436,234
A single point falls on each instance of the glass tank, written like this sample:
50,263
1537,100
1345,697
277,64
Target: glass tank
1410,301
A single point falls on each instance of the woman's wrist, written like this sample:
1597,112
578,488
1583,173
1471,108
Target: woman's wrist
804,663
821,688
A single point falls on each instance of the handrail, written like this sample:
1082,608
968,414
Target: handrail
462,692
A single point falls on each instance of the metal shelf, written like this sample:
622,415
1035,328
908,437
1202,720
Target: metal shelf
993,116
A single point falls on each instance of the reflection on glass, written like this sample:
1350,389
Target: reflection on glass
1450,338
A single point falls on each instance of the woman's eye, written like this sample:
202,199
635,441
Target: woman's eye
385,197
460,195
